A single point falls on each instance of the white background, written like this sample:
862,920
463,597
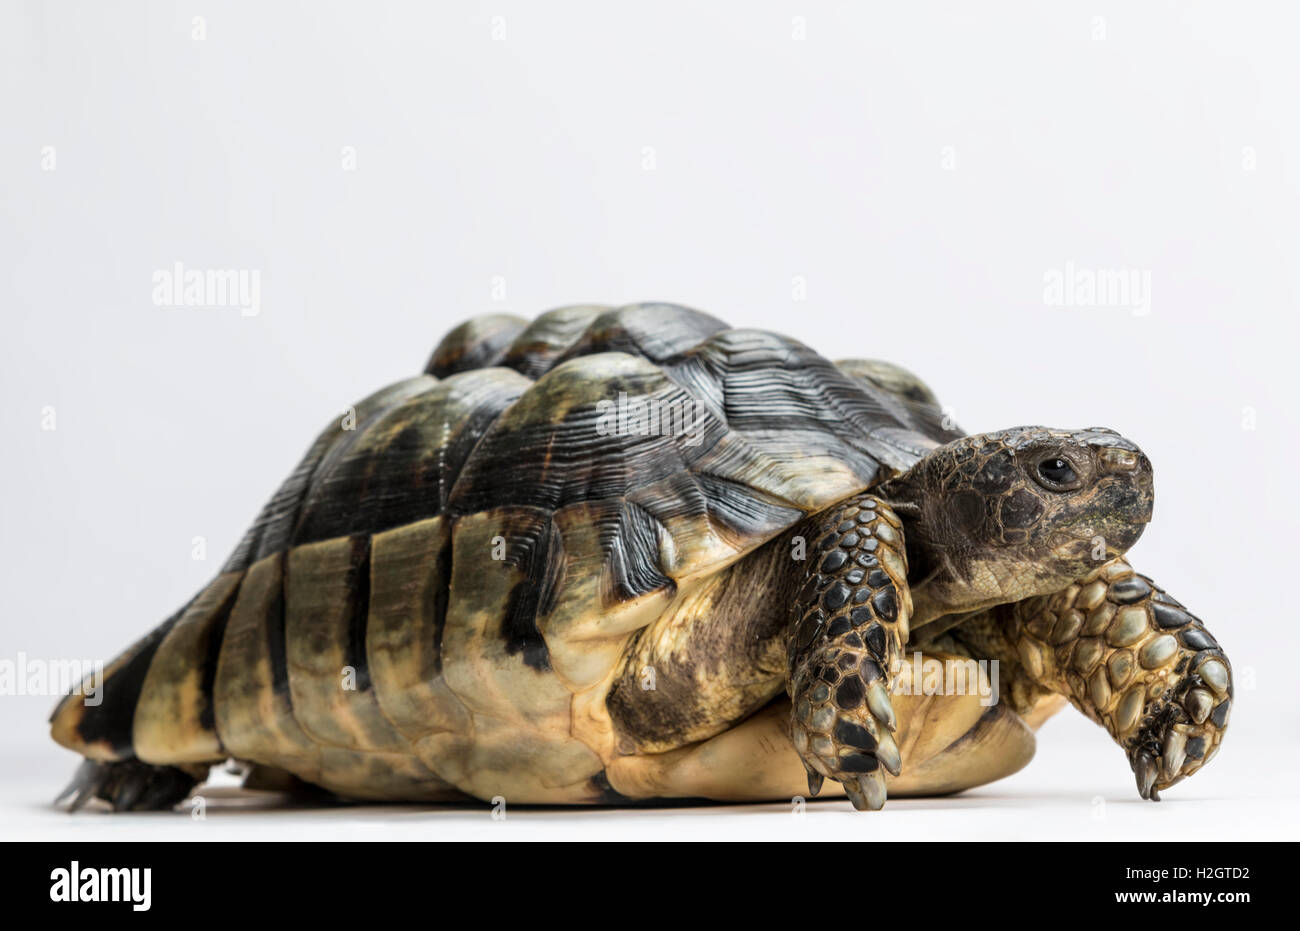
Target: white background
921,167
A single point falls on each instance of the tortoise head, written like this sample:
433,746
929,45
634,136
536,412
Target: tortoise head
999,517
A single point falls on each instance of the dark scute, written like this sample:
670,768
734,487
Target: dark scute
401,465
214,633
358,611
859,763
534,546
1169,617
653,331
1220,714
541,344
1021,509
855,735
834,560
808,631
632,545
276,645
836,596
850,693
477,343
876,640
1194,638
1127,591
967,508
997,474
886,604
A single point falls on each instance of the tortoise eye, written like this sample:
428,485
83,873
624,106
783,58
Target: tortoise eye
1055,471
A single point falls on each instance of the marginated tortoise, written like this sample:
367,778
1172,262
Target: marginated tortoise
632,553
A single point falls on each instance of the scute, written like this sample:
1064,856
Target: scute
401,465
925,413
656,332
476,343
548,337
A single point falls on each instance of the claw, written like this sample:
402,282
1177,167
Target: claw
77,782
815,781
1216,674
854,791
1145,768
888,755
873,790
1173,754
1199,704
878,702
82,787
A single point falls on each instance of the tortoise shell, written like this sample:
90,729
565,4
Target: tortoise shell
437,597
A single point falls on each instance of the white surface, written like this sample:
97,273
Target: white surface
1079,788
775,159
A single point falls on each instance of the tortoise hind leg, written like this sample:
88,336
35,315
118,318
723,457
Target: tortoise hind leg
130,785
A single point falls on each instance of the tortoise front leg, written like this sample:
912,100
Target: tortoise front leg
850,623
1133,659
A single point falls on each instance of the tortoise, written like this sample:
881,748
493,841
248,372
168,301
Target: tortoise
621,554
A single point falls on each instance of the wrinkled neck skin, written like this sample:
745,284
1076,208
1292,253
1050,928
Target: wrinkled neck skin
955,577
949,595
